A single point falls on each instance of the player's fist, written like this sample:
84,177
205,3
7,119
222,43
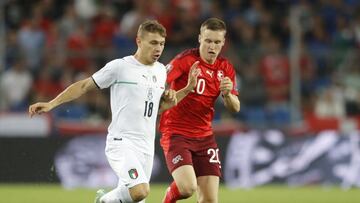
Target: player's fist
193,75
38,108
170,96
226,86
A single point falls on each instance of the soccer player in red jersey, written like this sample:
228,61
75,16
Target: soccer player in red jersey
190,149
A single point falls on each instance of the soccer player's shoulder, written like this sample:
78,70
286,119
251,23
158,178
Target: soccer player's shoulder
160,65
225,63
115,62
189,54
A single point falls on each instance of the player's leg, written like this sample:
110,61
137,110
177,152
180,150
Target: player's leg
208,189
185,180
183,186
124,194
207,167
179,162
133,180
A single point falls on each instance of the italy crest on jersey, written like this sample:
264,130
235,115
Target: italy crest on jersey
150,94
133,173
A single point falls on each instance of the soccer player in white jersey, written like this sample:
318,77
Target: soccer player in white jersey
137,92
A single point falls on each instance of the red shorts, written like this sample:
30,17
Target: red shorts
202,153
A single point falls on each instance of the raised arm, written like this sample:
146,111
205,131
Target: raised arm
171,98
72,92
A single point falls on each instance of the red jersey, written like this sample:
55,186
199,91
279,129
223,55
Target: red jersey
192,116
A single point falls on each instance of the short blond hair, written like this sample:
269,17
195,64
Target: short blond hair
151,26
214,24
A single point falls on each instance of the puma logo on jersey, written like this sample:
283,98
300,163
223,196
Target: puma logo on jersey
176,159
210,73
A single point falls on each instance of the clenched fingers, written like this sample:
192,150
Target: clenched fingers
170,96
226,85
37,108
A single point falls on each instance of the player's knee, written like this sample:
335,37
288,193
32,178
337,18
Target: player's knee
187,190
139,192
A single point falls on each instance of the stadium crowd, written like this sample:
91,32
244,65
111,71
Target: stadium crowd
49,44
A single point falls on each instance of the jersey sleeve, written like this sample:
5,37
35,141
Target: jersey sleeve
174,70
230,72
106,76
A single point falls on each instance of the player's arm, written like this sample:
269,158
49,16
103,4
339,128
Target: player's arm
72,92
172,97
231,101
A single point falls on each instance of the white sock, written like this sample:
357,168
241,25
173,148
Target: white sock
120,194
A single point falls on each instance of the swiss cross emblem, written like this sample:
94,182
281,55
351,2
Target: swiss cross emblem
220,75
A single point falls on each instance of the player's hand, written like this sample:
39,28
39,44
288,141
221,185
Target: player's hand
226,86
39,108
170,96
193,75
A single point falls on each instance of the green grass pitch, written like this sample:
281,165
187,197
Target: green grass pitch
44,193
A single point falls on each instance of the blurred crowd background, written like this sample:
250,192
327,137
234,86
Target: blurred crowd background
49,44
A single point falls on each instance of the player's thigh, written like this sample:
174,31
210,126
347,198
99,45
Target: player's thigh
147,163
142,190
206,159
208,189
185,179
128,165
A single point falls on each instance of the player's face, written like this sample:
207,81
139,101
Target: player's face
151,46
211,43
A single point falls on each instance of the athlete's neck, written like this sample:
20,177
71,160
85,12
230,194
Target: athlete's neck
208,61
141,59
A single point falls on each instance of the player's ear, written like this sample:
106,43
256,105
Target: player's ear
138,41
199,38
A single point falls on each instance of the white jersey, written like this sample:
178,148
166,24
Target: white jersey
135,92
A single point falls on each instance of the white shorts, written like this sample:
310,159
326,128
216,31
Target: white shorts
130,165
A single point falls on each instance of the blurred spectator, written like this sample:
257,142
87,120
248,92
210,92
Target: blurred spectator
12,49
330,103
68,22
31,39
318,44
86,9
274,67
253,95
14,14
132,19
15,85
253,14
47,85
185,29
356,26
62,40
103,32
78,49
351,83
